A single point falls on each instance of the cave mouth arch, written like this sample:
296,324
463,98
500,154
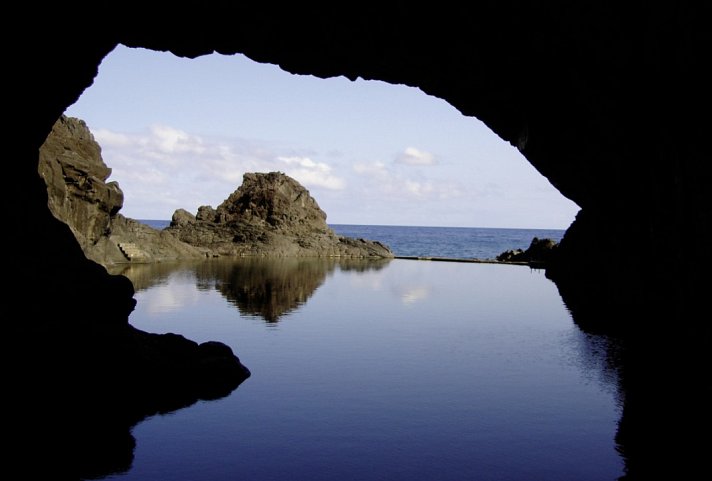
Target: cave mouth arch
176,135
603,80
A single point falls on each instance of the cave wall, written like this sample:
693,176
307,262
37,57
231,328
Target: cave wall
603,99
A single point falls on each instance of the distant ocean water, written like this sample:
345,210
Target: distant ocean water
457,242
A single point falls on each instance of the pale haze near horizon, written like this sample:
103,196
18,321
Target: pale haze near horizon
180,133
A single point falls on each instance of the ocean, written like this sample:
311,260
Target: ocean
453,242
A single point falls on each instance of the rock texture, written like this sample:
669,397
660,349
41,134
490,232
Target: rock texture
608,101
269,215
76,177
80,196
153,244
539,253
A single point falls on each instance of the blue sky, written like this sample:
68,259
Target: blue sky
180,133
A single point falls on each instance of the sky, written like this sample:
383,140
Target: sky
180,133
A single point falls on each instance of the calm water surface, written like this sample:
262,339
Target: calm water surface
395,370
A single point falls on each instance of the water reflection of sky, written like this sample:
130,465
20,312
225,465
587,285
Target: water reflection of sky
170,298
408,289
415,370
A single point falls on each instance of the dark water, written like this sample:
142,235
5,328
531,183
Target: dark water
458,242
380,371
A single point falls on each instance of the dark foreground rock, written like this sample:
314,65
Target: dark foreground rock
610,108
101,382
83,382
539,253
269,215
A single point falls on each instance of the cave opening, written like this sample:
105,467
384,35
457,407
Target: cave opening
180,133
598,81
177,136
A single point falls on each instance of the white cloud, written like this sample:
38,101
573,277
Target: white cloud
310,178
419,189
413,156
397,186
375,169
114,139
311,174
163,168
171,141
305,162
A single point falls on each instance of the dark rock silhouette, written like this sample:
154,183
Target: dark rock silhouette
268,215
603,100
539,253
148,374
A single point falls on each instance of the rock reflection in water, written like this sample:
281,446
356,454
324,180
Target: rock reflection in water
267,288
271,288
663,387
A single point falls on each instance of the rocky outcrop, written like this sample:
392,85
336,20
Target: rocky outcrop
269,215
155,245
76,177
80,196
539,253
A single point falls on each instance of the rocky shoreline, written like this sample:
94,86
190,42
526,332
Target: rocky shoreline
269,215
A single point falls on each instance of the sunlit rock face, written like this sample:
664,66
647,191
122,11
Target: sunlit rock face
604,100
273,215
80,195
76,177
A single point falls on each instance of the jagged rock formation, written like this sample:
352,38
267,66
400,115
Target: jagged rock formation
75,174
269,215
80,196
608,101
539,253
153,244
